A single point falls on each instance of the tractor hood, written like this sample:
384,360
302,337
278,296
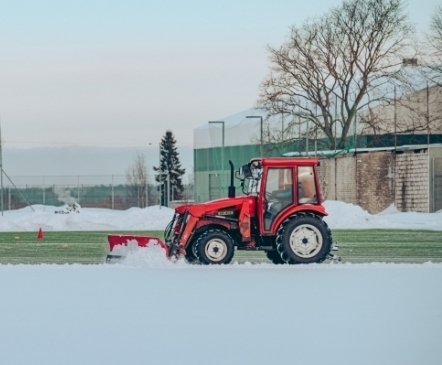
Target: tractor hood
214,206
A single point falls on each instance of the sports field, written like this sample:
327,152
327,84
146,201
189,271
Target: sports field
370,245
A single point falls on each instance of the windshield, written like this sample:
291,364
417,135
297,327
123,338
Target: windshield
253,180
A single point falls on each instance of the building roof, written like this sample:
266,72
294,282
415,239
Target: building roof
356,150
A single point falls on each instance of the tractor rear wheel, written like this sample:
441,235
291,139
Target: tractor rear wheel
275,257
304,238
215,246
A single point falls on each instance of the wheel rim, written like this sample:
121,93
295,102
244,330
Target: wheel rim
194,250
306,241
216,249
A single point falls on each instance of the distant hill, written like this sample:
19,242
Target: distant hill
77,160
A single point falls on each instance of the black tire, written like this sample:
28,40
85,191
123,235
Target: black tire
303,239
214,247
191,252
275,257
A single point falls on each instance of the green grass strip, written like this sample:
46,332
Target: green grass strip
368,245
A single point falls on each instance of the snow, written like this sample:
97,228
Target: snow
88,219
341,216
348,216
148,310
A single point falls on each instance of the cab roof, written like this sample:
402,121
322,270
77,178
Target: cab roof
286,161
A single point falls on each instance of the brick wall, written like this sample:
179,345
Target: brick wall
338,179
412,186
375,180
369,180
346,179
326,171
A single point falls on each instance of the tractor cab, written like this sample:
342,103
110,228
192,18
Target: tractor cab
281,187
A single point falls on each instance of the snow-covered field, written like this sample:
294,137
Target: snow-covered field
147,310
341,215
87,219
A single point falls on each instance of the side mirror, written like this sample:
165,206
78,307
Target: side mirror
246,171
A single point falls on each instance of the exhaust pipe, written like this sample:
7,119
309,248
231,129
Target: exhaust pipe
231,193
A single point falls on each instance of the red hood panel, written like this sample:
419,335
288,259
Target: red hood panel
198,210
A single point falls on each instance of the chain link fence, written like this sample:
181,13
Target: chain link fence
92,191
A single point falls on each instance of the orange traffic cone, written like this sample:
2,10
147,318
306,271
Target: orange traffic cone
40,235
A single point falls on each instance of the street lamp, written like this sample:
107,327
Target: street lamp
222,140
256,116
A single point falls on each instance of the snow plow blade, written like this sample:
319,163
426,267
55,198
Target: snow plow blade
118,241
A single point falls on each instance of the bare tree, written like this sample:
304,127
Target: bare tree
432,58
137,181
436,68
436,28
282,135
416,115
335,65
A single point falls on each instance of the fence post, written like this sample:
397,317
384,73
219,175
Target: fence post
394,176
138,196
44,192
112,193
433,175
336,188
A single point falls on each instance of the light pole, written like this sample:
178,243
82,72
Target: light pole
160,180
257,116
306,138
1,173
160,172
222,142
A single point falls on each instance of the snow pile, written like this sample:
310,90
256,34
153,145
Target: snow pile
66,209
341,216
88,219
152,256
390,210
344,215
349,216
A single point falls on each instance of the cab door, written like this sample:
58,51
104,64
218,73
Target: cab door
277,194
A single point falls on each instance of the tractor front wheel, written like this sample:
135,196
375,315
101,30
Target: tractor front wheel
215,246
303,239
191,252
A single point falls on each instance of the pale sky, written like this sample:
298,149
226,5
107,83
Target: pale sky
120,73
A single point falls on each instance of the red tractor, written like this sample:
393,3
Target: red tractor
280,213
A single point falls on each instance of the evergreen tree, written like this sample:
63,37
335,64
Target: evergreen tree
169,169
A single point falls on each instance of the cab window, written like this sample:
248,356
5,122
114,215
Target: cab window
306,185
278,193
